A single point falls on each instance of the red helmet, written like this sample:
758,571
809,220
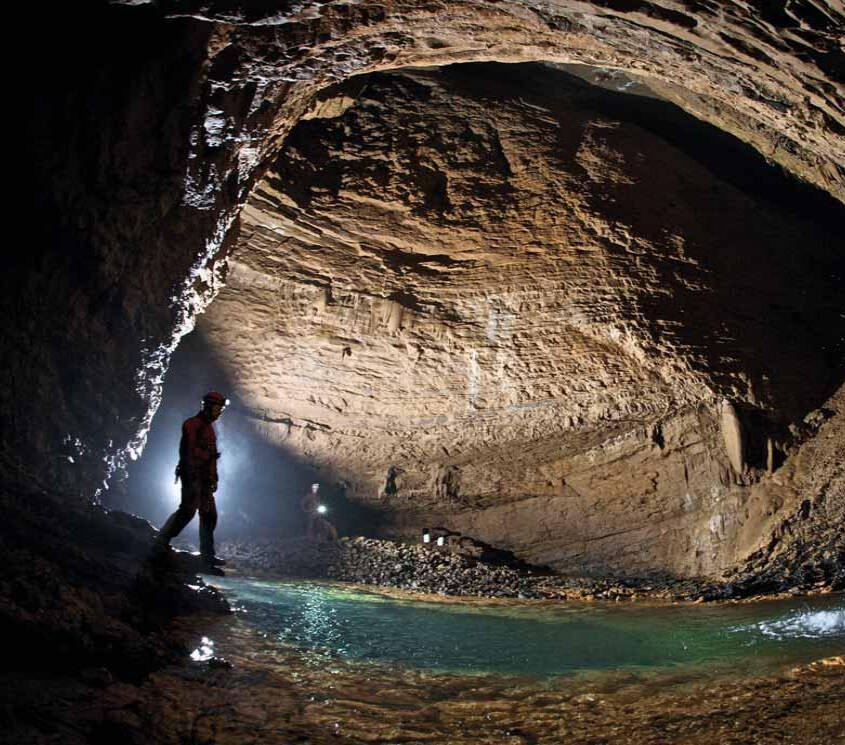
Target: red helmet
213,398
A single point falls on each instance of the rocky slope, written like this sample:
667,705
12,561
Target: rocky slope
82,594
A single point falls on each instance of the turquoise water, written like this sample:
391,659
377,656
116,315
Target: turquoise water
539,640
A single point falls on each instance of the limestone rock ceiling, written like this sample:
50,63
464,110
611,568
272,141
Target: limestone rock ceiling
771,74
489,270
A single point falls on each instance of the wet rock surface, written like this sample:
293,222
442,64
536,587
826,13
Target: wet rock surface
89,635
274,695
82,592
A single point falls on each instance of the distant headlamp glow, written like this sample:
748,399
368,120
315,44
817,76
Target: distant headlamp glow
441,540
321,509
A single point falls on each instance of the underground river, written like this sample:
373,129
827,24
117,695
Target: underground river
539,640
319,663
304,662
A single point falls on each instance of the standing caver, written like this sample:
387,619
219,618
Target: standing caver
197,470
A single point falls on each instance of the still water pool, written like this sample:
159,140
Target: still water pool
538,640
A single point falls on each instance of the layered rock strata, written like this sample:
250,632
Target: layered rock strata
548,316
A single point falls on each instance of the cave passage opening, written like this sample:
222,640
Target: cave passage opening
491,328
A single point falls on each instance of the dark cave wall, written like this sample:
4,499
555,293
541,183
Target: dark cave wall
107,117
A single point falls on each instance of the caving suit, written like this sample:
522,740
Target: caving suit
198,471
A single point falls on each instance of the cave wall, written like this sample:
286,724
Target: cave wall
507,302
86,299
138,155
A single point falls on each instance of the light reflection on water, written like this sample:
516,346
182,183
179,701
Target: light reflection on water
805,624
539,639
204,652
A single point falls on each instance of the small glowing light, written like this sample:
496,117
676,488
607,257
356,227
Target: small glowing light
441,540
426,537
322,509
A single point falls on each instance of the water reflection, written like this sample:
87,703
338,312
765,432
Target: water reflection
204,652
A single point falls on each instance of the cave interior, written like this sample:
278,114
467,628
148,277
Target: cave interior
563,278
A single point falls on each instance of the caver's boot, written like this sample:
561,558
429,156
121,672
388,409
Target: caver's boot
207,548
161,546
211,569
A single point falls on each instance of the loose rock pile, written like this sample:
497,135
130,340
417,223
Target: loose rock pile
385,563
422,569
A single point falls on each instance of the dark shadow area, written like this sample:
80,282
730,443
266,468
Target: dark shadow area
82,591
106,119
261,483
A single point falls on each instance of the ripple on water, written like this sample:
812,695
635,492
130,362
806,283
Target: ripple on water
805,624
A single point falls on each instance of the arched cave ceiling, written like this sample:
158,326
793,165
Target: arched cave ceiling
770,73
429,262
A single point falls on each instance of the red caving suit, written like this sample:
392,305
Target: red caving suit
198,471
